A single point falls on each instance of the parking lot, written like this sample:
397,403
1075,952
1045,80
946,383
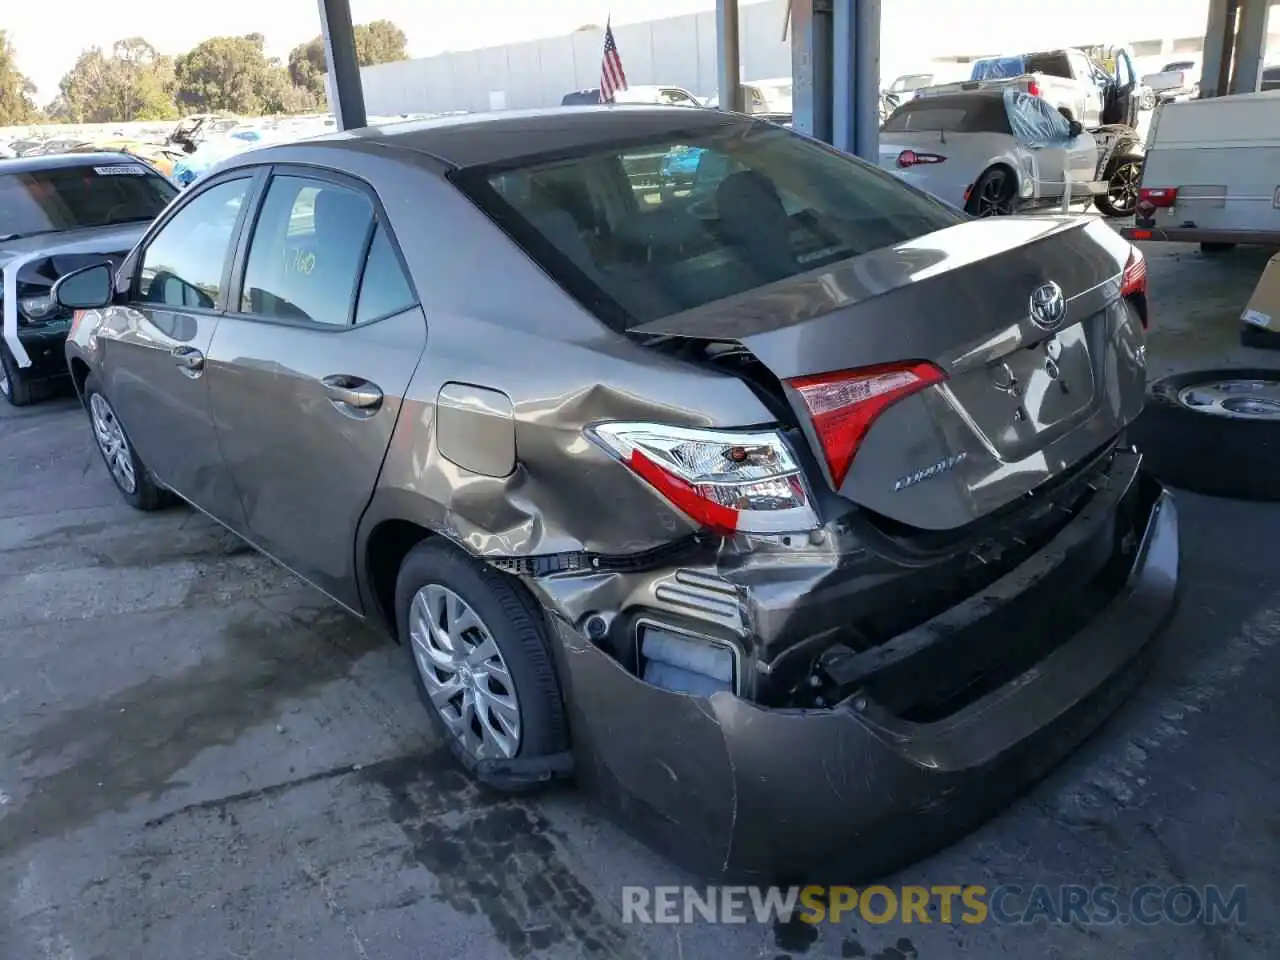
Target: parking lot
202,758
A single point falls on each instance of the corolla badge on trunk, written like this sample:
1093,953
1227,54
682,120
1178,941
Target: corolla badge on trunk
929,472
1048,306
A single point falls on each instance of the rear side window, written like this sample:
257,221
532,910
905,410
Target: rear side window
645,230
384,291
308,248
183,264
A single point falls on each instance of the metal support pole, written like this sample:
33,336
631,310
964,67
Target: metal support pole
1219,43
1251,45
346,96
821,48
866,68
729,56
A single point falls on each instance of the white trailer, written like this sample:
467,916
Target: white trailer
1212,173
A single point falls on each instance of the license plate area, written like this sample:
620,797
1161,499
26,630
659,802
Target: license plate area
1027,398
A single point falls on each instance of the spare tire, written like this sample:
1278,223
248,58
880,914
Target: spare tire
1214,432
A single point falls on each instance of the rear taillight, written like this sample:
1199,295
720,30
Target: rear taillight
1133,284
725,480
909,158
1158,196
844,405
1033,88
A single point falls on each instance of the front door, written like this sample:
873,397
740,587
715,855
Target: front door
308,373
156,346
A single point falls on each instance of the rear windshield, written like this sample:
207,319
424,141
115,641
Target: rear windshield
646,230
65,198
955,114
1049,64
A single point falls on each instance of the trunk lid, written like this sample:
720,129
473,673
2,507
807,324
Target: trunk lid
1022,401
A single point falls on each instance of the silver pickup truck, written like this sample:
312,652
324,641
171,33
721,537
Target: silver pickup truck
1068,79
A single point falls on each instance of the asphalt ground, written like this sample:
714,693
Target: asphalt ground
201,758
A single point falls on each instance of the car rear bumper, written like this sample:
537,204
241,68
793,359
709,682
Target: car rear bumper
1201,235
730,788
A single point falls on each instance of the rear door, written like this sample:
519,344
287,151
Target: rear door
309,368
157,343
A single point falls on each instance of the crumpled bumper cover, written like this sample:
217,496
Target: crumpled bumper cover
730,789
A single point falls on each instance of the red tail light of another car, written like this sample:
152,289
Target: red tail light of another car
909,158
844,405
1133,284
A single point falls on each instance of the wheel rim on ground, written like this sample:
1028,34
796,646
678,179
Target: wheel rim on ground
111,441
1247,398
991,199
4,380
1123,188
464,673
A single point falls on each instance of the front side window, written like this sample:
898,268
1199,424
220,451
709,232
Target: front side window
308,247
93,195
183,264
731,208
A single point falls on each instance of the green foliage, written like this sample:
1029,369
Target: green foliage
378,42
16,91
221,75
132,83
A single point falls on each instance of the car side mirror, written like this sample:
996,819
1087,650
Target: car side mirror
89,288
1075,128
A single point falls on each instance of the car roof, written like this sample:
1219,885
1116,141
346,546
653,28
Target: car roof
61,161
504,136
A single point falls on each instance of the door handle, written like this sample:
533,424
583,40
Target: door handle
352,392
189,359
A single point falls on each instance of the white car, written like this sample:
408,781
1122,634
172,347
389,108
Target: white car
990,152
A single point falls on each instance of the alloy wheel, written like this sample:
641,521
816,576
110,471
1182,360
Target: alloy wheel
4,380
992,199
464,673
112,442
1242,399
1123,188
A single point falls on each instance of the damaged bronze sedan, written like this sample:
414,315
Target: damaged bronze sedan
781,503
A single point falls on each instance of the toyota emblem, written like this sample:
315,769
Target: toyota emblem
1048,306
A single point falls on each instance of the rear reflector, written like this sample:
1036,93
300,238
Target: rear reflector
844,405
1158,196
909,158
1133,284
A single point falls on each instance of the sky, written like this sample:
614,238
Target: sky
47,46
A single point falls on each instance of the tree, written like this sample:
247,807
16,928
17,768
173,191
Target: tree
226,75
133,83
16,90
378,42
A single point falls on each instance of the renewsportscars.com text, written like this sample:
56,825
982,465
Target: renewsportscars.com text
947,904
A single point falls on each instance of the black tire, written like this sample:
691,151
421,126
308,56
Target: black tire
994,194
146,494
1123,179
1213,248
14,385
1204,453
517,626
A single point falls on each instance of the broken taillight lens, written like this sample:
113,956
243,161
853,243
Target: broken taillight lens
844,405
1133,284
726,480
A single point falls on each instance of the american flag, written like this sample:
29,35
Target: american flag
612,77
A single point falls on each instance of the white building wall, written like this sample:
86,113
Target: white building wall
682,50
